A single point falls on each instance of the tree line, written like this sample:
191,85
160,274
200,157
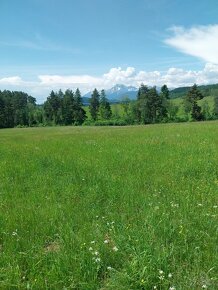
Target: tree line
66,108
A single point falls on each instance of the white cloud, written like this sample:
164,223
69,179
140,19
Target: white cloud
198,41
173,77
15,81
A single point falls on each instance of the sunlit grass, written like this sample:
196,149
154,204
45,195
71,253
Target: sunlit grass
109,208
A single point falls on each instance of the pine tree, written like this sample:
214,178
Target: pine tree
163,103
67,107
191,105
52,108
94,105
78,111
141,109
104,108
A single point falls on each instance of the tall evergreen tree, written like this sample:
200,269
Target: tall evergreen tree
94,105
191,103
163,103
52,108
67,107
141,103
104,108
79,113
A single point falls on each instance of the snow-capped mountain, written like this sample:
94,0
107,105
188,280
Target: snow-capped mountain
118,92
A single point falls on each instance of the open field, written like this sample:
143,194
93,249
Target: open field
109,208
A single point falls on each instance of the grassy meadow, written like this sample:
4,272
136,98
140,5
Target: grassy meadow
120,208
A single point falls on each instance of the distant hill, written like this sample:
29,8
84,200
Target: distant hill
207,90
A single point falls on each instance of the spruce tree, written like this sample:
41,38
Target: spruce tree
163,103
191,103
78,111
104,108
94,105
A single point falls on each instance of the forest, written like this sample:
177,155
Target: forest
18,109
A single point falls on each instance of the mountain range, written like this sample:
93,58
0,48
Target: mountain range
119,91
116,93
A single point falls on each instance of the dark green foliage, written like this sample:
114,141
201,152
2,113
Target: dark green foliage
16,109
67,107
216,107
79,114
104,108
191,105
151,106
52,108
94,105
206,90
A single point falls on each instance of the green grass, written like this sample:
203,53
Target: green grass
145,195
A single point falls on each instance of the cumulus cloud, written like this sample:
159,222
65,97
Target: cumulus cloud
173,77
198,41
15,81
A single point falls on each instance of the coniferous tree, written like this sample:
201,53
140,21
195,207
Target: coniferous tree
104,107
141,109
78,111
94,105
163,103
52,108
67,107
191,103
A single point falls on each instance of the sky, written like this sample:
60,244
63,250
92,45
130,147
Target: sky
58,44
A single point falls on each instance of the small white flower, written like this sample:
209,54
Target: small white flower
106,241
155,287
115,249
14,233
161,272
92,242
200,204
204,286
215,206
97,260
109,268
161,277
172,288
96,253
90,249
170,275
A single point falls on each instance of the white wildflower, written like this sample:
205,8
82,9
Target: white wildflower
115,249
172,288
92,242
106,241
90,249
109,268
161,272
204,286
96,253
170,275
97,260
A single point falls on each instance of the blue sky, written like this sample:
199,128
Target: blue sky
51,44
